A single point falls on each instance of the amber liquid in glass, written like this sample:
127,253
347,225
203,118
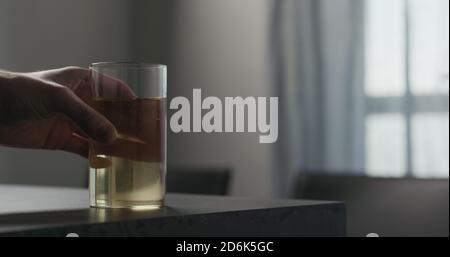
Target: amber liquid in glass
129,173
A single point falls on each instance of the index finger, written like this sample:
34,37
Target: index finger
109,87
93,83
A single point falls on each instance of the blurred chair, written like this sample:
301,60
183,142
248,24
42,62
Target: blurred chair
212,181
386,206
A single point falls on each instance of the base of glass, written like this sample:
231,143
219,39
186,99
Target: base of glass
147,205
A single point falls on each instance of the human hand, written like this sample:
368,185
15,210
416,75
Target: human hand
49,110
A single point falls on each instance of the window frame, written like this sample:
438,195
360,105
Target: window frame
406,104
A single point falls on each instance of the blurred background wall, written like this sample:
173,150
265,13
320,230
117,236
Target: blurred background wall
205,33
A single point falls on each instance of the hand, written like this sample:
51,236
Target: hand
49,110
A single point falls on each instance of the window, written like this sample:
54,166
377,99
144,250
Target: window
407,88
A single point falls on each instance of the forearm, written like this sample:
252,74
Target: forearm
5,83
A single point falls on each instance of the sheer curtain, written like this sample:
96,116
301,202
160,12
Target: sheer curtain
406,88
338,66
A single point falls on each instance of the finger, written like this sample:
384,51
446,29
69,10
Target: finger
77,144
94,83
80,132
95,125
107,86
131,148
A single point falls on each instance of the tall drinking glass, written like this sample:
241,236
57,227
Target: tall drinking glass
129,173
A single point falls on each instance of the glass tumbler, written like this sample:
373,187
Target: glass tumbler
130,172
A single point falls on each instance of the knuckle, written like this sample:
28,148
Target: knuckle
75,70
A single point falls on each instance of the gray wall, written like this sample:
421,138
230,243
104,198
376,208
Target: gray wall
219,46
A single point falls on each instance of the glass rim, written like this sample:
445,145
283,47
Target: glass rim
128,65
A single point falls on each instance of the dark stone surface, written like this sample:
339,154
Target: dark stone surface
45,211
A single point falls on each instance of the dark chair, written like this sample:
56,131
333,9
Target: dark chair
198,181
386,206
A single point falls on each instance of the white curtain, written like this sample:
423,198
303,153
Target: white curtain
317,62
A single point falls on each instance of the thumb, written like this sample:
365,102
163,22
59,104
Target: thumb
95,125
